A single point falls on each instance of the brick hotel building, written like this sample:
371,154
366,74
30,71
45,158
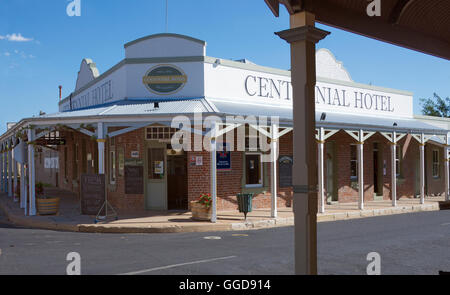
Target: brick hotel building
119,123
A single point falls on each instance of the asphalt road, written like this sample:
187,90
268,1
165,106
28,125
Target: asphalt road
408,244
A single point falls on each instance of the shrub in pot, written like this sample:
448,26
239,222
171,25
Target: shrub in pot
202,209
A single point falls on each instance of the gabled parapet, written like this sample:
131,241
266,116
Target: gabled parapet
165,45
88,72
327,66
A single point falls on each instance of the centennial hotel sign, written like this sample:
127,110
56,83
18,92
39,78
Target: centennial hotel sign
327,95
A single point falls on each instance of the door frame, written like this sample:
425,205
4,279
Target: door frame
154,144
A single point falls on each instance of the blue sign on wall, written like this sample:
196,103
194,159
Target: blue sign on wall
223,159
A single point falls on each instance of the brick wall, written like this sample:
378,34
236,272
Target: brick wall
230,183
129,142
406,182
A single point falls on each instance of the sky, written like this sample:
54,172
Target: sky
41,47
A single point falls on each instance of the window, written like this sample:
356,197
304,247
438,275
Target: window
160,133
253,170
435,168
353,163
398,161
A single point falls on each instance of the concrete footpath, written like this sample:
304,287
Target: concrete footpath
69,218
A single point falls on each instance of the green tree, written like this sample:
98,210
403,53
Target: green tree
436,106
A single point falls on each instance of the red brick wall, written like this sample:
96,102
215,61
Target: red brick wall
229,183
131,141
406,186
198,176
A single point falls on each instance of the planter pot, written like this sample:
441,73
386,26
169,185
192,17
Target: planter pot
48,206
200,212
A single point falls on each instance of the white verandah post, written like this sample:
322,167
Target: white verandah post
23,181
5,171
360,158
274,160
393,169
101,148
422,168
213,171
320,148
10,172
15,174
31,173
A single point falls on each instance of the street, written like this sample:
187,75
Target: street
416,243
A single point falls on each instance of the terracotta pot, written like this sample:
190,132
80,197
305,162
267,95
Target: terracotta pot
200,212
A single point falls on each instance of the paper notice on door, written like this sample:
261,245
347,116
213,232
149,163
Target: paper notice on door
159,167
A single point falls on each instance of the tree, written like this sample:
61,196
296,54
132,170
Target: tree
436,106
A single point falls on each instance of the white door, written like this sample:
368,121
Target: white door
156,187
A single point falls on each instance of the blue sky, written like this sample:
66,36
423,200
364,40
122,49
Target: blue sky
41,47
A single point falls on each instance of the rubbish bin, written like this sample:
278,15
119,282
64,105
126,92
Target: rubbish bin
245,203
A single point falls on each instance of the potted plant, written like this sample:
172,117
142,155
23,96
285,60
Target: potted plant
202,208
45,205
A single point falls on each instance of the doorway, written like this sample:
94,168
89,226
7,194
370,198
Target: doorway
156,177
177,181
377,171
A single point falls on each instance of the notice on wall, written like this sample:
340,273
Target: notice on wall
285,171
134,179
199,161
223,156
223,160
92,193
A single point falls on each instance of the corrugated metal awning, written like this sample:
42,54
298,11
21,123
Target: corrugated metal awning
383,124
227,107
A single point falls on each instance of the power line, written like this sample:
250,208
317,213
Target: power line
167,16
